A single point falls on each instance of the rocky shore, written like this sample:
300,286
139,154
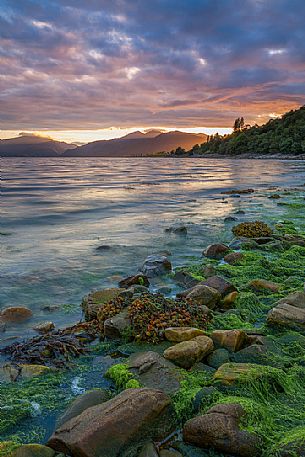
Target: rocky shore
217,370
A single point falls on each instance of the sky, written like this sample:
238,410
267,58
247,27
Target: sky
81,70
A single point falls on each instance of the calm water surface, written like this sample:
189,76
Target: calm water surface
56,212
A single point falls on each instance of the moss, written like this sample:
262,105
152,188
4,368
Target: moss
228,321
7,447
252,229
183,400
122,377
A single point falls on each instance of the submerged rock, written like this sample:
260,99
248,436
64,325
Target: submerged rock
15,314
156,265
117,427
179,229
219,429
140,280
187,353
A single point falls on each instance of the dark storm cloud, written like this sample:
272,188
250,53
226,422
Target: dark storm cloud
92,64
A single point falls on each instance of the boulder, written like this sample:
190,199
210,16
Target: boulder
229,300
44,327
156,265
33,450
15,314
83,402
223,286
209,270
149,450
219,429
29,371
296,299
117,427
202,295
95,300
139,279
261,284
187,353
115,326
233,340
185,279
231,373
233,257
218,358
9,373
178,334
288,316
168,453
154,371
216,251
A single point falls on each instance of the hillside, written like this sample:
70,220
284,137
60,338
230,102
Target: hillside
285,135
27,145
137,144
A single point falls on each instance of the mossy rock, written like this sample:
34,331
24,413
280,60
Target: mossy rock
256,229
238,373
33,450
292,444
94,301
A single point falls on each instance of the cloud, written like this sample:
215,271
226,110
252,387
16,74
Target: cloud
95,64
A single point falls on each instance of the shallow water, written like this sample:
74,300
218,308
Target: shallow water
56,212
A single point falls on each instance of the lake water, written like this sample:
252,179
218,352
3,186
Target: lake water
56,212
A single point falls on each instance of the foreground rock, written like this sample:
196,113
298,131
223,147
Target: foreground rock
233,258
117,427
15,314
216,251
83,402
187,353
44,327
289,312
156,265
259,285
219,429
178,334
154,371
223,286
233,340
232,373
113,328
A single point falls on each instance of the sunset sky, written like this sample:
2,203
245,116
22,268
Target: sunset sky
83,70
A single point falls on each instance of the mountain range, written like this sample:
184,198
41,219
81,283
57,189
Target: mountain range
135,144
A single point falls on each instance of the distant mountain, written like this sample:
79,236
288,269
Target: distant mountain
138,144
28,145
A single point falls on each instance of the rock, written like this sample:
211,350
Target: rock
118,426
219,429
209,270
154,371
229,300
185,279
240,211
216,251
187,353
149,450
178,229
233,340
218,358
156,265
83,402
178,334
104,247
95,300
165,290
29,371
233,258
167,453
261,284
296,299
190,451
139,279
217,282
115,326
256,353
202,295
44,327
33,450
288,316
292,444
9,373
15,314
230,373
230,219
